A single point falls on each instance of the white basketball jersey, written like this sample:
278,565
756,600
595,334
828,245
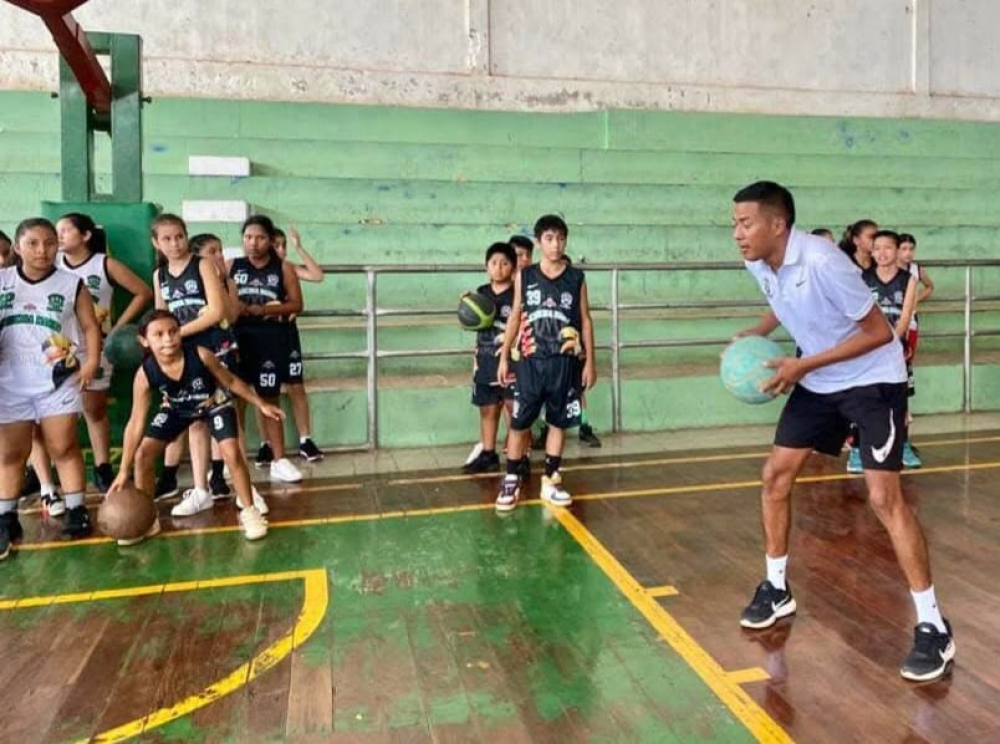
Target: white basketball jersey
39,334
94,272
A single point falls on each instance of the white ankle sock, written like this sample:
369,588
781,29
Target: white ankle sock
776,571
927,608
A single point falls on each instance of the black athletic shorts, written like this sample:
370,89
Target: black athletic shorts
490,395
264,362
552,382
169,423
293,375
820,421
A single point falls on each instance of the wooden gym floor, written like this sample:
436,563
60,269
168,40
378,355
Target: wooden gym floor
398,607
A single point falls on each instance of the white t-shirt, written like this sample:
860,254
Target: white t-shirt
818,295
94,272
39,333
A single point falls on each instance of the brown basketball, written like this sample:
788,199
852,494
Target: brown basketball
126,514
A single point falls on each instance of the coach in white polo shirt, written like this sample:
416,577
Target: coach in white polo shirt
851,370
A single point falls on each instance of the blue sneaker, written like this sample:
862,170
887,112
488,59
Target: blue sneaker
910,457
854,461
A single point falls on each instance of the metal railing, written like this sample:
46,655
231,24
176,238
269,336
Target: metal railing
372,312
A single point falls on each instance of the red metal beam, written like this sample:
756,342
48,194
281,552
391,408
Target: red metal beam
72,44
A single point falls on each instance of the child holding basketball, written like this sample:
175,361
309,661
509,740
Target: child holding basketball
551,296
194,386
489,395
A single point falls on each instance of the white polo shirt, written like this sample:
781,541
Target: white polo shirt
819,296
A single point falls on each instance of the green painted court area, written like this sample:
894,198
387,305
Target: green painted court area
450,626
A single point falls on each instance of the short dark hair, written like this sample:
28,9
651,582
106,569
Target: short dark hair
769,194
887,234
522,241
4,237
279,233
503,248
152,316
823,232
551,222
199,241
262,221
907,238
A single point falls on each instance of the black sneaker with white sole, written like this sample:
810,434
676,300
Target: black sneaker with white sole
10,532
218,487
166,486
309,451
265,456
485,462
588,437
932,651
77,523
768,605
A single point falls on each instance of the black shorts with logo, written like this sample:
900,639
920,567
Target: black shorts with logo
484,394
820,421
552,382
263,362
169,423
293,375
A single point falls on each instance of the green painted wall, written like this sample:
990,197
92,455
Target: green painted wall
390,185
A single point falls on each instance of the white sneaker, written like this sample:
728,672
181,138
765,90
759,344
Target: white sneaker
258,502
553,491
475,453
52,503
254,526
153,531
283,470
193,502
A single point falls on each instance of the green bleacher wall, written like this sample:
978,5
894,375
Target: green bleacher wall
377,185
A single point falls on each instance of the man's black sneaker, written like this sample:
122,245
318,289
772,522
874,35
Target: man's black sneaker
10,532
524,468
543,434
166,486
31,483
768,604
104,476
932,650
588,437
218,487
264,456
309,451
484,463
77,523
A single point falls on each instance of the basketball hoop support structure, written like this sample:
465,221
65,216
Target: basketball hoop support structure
91,104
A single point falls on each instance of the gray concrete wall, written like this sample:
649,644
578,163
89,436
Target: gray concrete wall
926,58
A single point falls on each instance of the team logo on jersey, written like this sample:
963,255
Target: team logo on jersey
93,282
190,286
505,311
565,300
6,300
268,364
197,384
549,302
272,280
56,303
898,298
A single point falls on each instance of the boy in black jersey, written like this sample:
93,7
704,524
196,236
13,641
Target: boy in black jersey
895,292
488,393
194,387
551,297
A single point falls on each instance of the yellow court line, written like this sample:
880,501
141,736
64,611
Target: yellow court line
759,723
751,674
660,461
609,495
662,591
314,606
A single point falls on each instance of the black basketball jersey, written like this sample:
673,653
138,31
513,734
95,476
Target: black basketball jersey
186,298
888,295
194,393
548,306
259,286
489,340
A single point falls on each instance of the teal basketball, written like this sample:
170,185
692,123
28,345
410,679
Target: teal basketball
743,371
122,347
